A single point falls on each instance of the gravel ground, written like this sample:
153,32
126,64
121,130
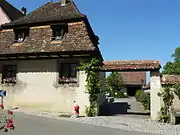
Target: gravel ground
120,122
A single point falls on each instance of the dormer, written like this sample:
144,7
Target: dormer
59,31
20,34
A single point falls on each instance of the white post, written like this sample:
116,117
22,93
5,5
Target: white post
155,83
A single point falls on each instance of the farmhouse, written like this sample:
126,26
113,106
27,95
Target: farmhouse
39,55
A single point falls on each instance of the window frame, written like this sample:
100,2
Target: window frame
22,37
20,31
61,28
6,69
69,78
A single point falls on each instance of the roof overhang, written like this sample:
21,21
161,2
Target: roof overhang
48,55
130,65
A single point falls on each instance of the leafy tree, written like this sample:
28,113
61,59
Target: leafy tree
114,82
173,67
176,54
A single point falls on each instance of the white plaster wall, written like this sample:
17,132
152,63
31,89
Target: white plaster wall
155,99
3,17
176,104
36,88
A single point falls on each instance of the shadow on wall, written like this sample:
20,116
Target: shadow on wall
111,109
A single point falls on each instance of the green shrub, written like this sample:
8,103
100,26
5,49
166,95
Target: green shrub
120,94
90,111
138,95
144,99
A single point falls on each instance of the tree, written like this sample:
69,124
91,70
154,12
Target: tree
176,54
174,66
114,82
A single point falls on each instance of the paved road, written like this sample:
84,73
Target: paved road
29,125
133,106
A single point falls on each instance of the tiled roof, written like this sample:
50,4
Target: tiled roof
133,78
39,41
10,10
167,80
78,38
170,79
128,65
51,11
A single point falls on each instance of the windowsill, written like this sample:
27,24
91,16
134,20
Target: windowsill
56,42
17,43
67,82
9,83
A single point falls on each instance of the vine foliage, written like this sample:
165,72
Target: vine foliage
93,84
168,96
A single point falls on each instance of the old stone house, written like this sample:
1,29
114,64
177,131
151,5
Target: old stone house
8,12
39,56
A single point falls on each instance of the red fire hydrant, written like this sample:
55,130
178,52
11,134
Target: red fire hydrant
76,111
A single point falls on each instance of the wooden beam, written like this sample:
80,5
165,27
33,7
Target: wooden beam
54,56
65,55
12,57
31,56
44,56
21,57
81,55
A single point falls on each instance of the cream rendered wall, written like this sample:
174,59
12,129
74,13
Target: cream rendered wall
36,88
3,17
155,99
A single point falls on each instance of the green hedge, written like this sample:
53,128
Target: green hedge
144,99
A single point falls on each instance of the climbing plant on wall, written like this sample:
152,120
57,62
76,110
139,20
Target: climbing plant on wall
167,96
91,67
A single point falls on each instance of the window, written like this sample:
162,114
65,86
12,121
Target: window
9,74
20,34
68,73
19,37
58,32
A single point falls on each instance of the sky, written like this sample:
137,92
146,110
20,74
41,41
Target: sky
129,29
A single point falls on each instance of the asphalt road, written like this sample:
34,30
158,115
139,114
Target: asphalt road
35,125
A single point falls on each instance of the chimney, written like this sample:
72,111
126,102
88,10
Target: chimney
24,10
63,2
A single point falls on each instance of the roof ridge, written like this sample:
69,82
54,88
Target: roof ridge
50,11
37,9
4,4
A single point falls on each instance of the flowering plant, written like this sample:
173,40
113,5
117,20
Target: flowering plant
67,80
9,80
6,119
